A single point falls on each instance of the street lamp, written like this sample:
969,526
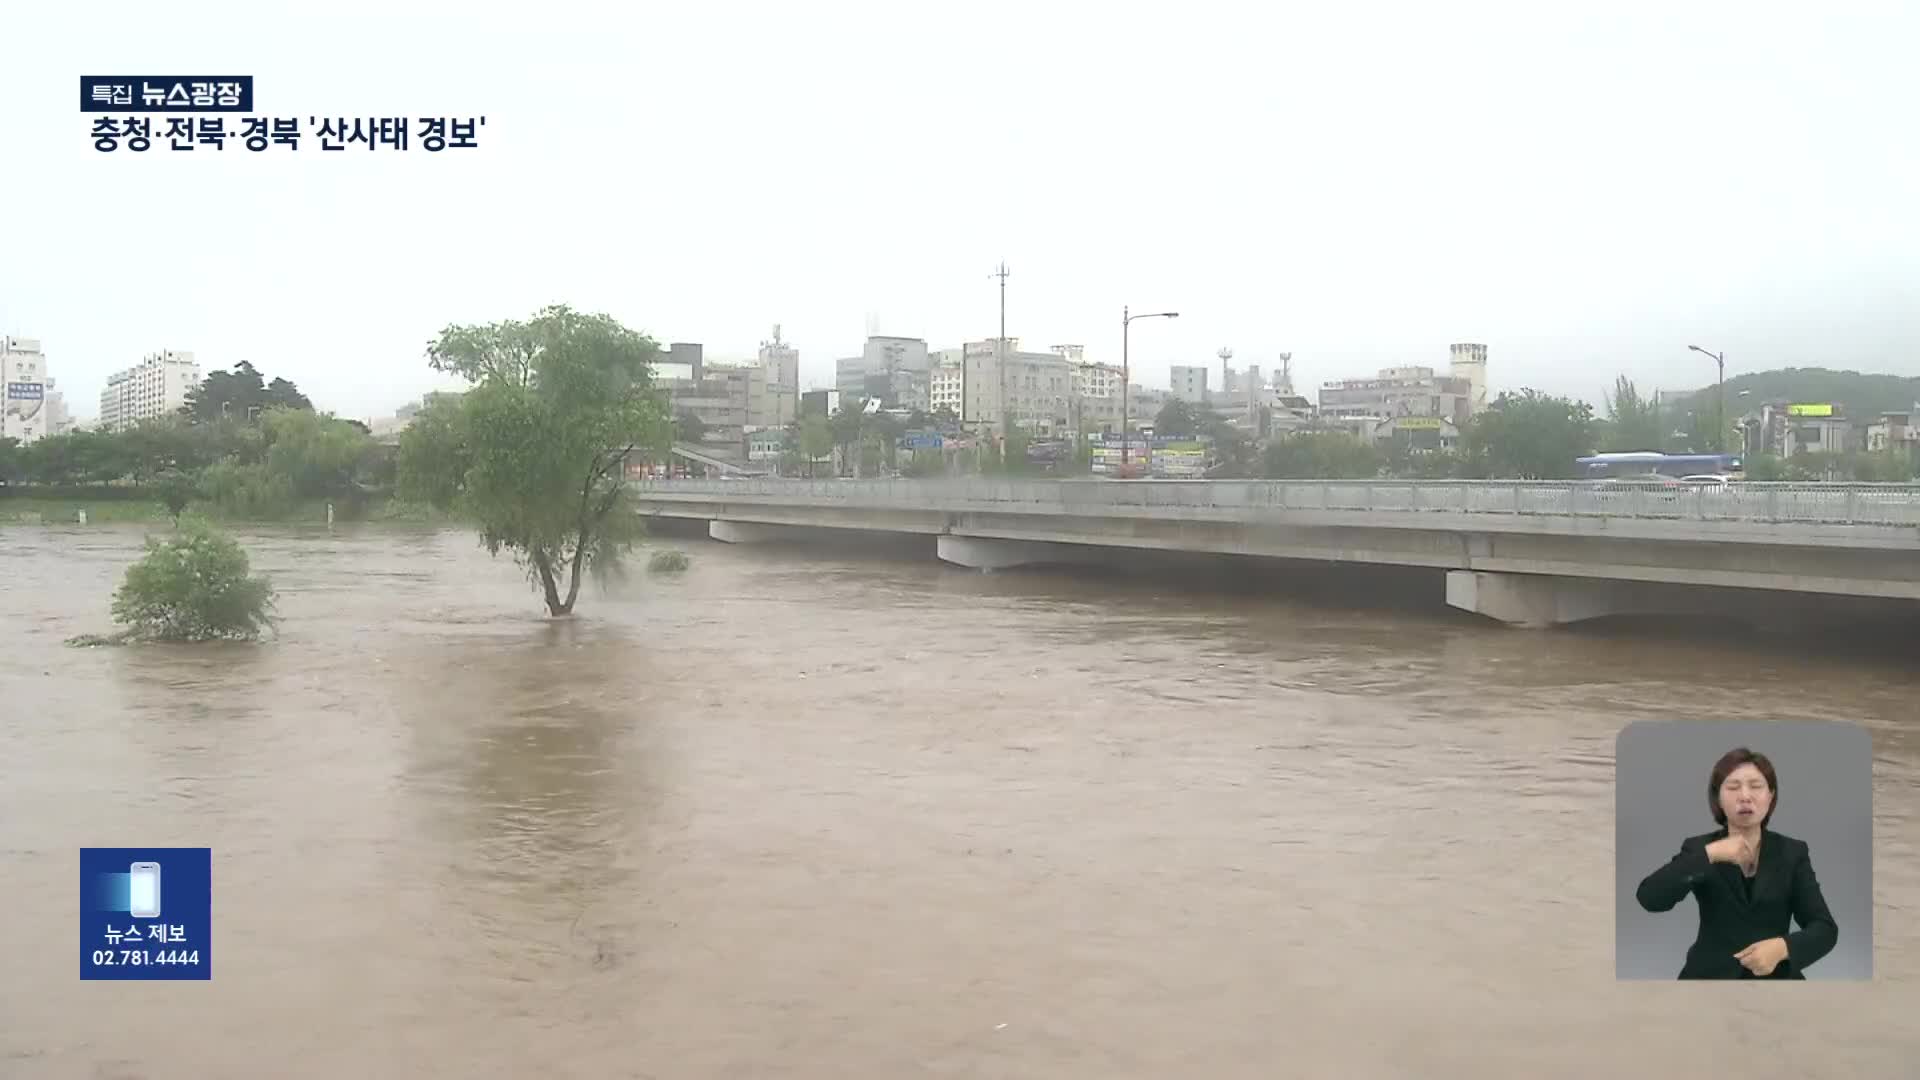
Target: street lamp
1126,379
1719,436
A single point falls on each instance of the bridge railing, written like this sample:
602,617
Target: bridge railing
1846,504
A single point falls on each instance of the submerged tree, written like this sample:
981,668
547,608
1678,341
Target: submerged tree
536,452
192,586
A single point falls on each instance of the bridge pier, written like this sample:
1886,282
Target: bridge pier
985,554
742,532
1535,600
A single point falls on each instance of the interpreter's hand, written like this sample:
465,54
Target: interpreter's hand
1762,957
1733,849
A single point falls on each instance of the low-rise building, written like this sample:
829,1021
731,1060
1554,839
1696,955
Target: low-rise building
1816,428
1399,391
1418,433
1144,403
718,395
1895,432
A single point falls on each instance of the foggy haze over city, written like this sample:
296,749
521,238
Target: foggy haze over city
1586,189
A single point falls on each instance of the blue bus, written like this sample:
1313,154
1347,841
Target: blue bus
1645,462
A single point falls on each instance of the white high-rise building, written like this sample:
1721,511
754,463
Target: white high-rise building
773,391
156,386
23,382
1470,363
1096,396
947,385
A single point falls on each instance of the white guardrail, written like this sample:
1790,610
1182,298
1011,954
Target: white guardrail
1841,504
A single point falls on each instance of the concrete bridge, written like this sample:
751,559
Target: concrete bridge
1534,553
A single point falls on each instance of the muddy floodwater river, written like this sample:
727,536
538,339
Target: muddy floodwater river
821,814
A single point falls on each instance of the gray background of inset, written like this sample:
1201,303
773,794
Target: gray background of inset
1660,798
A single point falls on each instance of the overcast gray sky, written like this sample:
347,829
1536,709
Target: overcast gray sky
1587,188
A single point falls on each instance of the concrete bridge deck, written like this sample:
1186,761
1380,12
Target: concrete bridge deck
1532,553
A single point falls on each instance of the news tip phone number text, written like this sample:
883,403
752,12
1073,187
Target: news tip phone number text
258,133
144,957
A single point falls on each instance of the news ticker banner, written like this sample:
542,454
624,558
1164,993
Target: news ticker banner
206,112
146,913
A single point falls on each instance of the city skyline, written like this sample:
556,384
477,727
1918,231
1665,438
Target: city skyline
1582,193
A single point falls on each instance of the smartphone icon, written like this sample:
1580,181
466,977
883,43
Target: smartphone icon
143,891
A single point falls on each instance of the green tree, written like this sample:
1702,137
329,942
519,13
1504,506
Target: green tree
1176,417
1531,435
1632,421
1081,461
282,394
559,403
176,489
47,460
193,586
1766,467
434,455
1233,452
241,395
317,456
688,427
816,439
167,443
247,490
80,457
848,422
1424,464
1321,455
1882,467
11,460
886,432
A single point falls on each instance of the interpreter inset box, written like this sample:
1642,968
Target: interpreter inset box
1743,850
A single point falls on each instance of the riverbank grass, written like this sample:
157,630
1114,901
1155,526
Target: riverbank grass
34,510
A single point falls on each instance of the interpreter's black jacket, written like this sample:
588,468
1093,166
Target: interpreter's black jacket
1735,913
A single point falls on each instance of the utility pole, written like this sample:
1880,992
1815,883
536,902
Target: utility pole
1000,353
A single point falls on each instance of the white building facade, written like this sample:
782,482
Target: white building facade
773,389
1096,396
896,371
1188,383
157,386
1038,387
947,384
26,393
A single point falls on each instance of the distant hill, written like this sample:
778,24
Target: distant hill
1864,397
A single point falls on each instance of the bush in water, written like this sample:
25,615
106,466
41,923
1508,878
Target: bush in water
667,562
193,586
